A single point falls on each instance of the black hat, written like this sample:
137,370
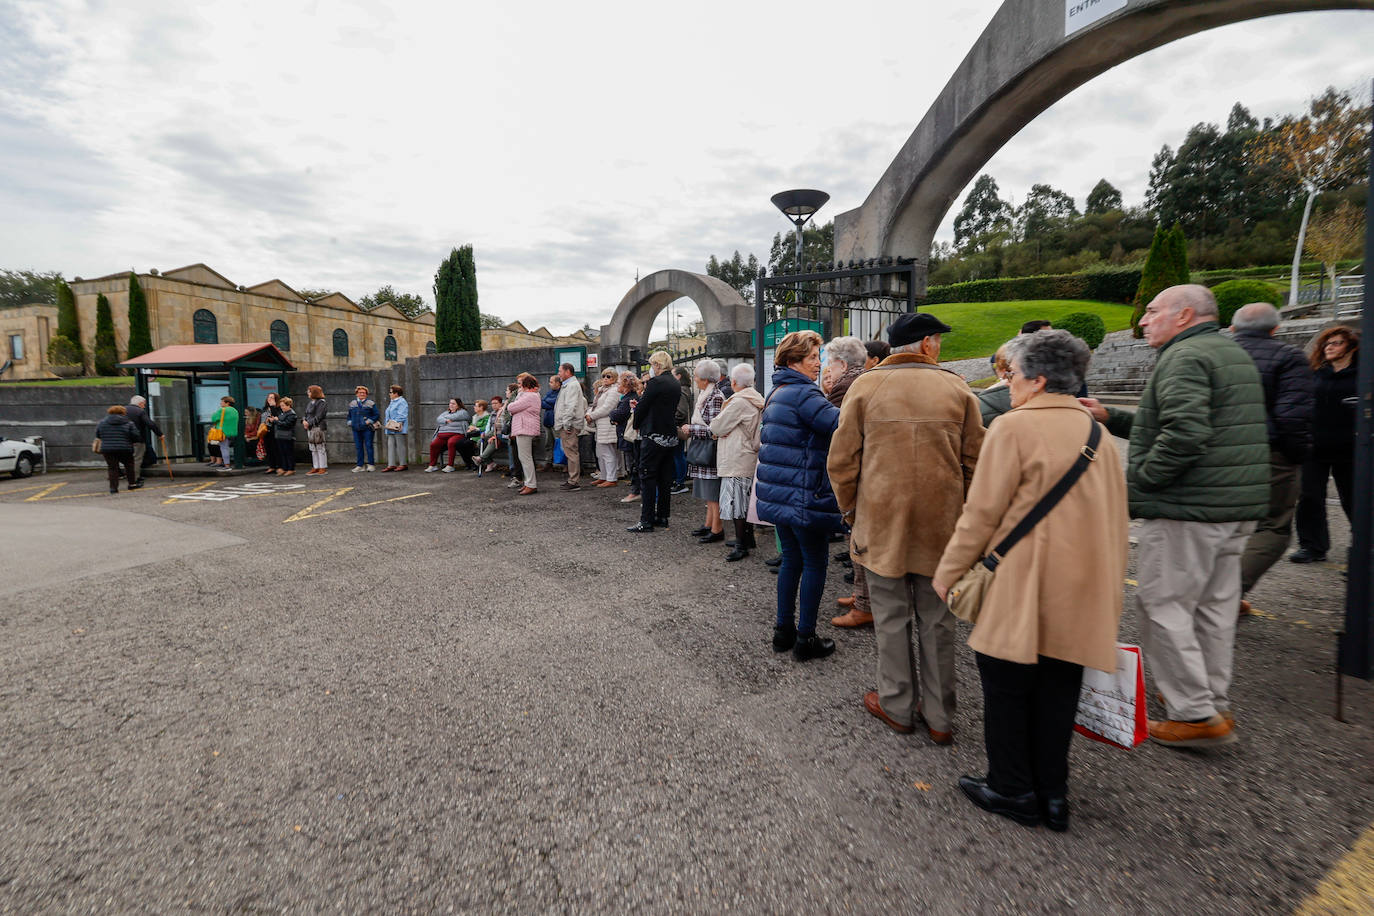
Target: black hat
908,329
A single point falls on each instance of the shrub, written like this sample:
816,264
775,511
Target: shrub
63,352
1166,265
105,355
1099,285
1086,326
1232,294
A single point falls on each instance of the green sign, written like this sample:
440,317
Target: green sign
775,331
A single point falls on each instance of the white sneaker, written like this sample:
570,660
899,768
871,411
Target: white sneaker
372,467
431,469
448,469
357,469
517,482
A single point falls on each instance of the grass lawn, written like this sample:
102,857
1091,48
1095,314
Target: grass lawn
74,382
981,327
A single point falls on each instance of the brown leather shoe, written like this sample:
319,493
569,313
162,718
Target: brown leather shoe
845,602
855,618
1213,731
526,491
1245,609
941,738
605,483
874,707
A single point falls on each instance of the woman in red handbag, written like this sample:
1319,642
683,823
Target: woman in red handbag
1054,604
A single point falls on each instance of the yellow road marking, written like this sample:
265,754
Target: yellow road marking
36,486
37,496
1349,886
310,513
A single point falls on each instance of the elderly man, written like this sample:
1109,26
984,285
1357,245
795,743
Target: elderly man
1289,395
907,414
1198,474
138,413
570,422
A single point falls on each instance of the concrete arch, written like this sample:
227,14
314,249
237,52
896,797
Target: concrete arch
723,311
1022,64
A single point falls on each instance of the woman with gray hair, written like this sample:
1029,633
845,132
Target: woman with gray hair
1055,603
844,361
736,429
705,478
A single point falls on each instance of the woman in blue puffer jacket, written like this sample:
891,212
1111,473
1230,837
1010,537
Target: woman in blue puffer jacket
794,490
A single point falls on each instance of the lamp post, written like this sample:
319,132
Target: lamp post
799,205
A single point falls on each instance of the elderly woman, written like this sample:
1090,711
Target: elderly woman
995,400
315,421
846,360
607,440
116,434
705,479
1055,603
793,490
627,440
525,412
736,428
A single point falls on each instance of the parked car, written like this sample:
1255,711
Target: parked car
20,456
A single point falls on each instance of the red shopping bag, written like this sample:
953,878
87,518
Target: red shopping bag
1111,707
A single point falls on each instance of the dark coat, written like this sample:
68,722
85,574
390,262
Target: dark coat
362,415
139,417
116,434
993,402
620,415
285,427
315,413
1334,419
546,403
791,481
657,406
1288,392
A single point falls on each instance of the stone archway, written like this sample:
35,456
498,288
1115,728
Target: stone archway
727,317
1029,57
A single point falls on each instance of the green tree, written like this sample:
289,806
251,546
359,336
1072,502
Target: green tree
818,247
1166,265
470,316
739,273
1044,210
1103,198
105,355
67,324
492,322
983,216
446,292
26,287
408,304
140,335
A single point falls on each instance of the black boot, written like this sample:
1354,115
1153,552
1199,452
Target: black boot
1024,809
748,529
741,542
784,638
811,647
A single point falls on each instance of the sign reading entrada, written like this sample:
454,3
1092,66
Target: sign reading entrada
1081,13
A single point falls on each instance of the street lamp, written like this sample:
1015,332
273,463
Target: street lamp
799,206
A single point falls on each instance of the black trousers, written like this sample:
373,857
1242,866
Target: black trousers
286,454
1028,713
112,462
655,482
1311,515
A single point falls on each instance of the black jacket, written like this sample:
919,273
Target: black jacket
116,434
139,417
315,413
1335,420
658,404
286,424
1288,392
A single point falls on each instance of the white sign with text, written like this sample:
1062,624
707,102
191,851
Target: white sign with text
1079,14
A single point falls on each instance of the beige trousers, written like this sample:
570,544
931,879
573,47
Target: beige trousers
1189,594
570,454
893,602
1275,530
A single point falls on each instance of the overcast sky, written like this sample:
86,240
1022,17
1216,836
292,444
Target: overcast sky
346,145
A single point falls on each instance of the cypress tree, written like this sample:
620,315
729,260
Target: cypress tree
67,325
447,283
1178,259
140,336
105,355
1154,277
469,315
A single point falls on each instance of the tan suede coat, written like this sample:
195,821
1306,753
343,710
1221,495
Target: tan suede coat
1058,591
901,461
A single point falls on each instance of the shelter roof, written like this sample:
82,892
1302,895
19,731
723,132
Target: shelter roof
210,356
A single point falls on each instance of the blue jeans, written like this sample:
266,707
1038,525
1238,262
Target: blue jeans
805,552
680,463
362,446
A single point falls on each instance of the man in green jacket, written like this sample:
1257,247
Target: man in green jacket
1198,476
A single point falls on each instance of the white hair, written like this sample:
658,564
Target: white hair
707,370
914,347
849,350
742,375
138,399
1257,316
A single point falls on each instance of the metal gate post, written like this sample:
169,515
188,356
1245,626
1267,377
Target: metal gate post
759,368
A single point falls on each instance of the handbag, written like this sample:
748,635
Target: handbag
95,445
1111,706
393,426
261,452
701,452
216,433
965,598
314,435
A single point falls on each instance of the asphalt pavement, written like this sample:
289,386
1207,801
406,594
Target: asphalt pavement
418,692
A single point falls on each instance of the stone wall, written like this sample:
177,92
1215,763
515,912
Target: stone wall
65,416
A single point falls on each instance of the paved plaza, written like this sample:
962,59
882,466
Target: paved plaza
415,692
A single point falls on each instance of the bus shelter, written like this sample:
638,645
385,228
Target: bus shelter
184,384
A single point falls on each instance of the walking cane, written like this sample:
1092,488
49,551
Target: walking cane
166,457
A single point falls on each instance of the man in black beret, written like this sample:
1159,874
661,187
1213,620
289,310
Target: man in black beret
914,429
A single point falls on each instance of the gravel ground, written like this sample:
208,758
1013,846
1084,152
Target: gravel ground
464,701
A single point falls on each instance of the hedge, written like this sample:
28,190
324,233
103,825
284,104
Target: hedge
1086,326
1232,294
1099,285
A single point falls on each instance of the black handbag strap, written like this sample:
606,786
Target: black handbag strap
1086,456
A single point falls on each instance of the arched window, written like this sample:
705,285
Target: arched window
340,342
281,336
431,348
389,347
205,326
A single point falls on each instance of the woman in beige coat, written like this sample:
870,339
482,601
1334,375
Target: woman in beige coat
737,454
1055,603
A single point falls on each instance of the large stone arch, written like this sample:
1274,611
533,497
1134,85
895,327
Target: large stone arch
728,318
1022,64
